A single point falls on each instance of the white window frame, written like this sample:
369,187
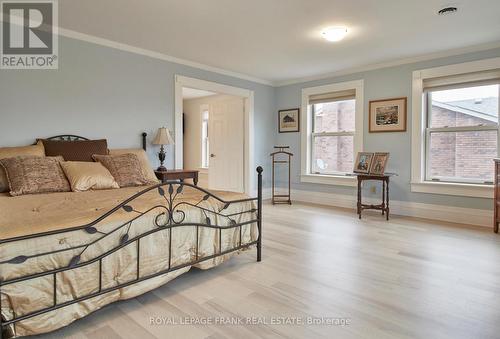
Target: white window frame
326,134
446,129
204,108
307,136
419,132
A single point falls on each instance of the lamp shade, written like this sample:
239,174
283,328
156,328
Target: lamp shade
163,137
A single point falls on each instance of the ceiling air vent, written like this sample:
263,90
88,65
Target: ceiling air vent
447,10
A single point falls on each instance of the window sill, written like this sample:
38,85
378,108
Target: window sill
339,180
458,189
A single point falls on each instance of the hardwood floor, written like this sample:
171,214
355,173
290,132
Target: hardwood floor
405,278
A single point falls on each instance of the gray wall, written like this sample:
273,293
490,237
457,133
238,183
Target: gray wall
100,92
378,84
103,92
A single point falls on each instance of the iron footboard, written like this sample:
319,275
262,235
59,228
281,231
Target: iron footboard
169,216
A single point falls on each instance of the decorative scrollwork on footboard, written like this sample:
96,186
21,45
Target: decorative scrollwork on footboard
169,210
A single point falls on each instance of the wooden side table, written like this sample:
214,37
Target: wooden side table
178,174
384,206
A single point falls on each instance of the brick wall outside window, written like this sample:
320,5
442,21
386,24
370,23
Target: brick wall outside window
335,152
463,154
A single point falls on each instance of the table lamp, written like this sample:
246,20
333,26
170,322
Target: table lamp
162,138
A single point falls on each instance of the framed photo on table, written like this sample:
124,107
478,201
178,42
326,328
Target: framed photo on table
363,162
379,163
288,120
388,115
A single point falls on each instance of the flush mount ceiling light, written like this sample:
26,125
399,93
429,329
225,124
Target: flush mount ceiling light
334,33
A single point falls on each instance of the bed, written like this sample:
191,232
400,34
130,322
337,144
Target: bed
65,255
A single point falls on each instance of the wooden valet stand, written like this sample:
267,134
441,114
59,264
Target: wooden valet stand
279,159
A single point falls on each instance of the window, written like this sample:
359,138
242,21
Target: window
332,126
462,133
455,128
204,139
333,136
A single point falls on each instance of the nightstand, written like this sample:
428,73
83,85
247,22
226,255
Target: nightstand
178,174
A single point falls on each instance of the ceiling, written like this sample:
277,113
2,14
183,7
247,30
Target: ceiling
279,40
192,93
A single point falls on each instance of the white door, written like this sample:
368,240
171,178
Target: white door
226,136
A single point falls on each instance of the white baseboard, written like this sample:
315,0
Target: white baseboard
470,216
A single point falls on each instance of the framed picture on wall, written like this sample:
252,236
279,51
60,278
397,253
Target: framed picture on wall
388,115
363,162
288,120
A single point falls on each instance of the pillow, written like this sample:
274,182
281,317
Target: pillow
32,174
78,150
125,168
143,159
84,176
9,152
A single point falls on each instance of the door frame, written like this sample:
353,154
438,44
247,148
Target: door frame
248,142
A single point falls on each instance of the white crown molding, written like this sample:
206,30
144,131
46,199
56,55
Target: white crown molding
392,63
461,215
156,55
132,49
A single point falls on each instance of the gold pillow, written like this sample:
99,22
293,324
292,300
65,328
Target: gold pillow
125,168
143,159
84,176
10,152
32,174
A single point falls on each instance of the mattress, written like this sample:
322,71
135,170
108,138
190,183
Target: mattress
25,216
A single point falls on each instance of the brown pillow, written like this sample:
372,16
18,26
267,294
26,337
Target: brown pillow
147,169
79,150
125,168
84,176
9,152
31,174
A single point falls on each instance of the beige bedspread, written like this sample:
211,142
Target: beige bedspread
38,213
20,216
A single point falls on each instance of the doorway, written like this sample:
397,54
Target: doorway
214,138
217,120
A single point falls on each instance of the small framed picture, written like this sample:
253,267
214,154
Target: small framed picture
388,115
363,162
379,162
288,120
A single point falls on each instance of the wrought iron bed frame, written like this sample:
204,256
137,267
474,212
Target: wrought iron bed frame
171,216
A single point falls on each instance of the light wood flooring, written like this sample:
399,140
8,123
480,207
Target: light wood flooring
405,278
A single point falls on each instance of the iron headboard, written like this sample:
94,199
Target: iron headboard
67,137
72,137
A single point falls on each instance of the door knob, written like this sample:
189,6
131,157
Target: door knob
212,155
